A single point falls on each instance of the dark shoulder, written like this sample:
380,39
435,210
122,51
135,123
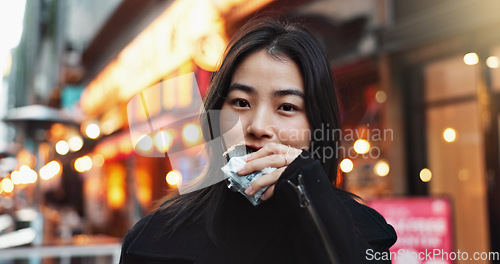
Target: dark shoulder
369,223
134,232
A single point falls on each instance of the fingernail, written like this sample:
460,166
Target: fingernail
246,157
249,190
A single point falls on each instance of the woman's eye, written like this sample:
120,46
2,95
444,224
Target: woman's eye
287,108
240,103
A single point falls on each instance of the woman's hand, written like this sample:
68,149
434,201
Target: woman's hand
271,155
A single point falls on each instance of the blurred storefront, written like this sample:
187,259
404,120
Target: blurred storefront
443,59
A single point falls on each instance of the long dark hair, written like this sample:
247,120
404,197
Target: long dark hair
281,40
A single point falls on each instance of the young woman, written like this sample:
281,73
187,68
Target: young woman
276,79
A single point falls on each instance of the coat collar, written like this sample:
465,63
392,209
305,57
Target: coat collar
187,242
241,223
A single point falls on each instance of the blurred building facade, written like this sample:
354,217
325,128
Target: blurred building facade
443,59
399,70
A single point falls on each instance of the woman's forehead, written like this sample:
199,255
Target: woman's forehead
261,70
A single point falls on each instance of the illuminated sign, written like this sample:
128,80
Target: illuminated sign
167,43
423,226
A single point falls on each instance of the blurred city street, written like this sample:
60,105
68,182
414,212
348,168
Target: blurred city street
418,83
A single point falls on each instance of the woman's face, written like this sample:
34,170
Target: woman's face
267,94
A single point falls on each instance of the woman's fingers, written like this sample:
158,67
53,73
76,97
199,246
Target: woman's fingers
268,193
266,180
272,155
273,160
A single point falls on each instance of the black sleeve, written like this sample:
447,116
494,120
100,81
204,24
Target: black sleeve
332,221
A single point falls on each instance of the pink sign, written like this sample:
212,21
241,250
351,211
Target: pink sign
424,230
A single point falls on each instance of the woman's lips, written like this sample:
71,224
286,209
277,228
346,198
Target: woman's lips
253,147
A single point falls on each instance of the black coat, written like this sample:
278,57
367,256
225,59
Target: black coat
309,226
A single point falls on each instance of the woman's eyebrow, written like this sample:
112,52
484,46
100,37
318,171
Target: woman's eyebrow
278,93
242,87
286,92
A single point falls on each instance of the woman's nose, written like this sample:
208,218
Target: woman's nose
261,124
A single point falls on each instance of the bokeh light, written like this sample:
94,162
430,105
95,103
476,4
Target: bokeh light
93,131
382,168
62,147
471,58
83,164
7,185
346,165
163,141
24,175
173,177
361,146
75,143
449,135
380,97
493,62
425,175
15,177
27,175
50,170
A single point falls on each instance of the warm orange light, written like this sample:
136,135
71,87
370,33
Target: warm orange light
163,141
125,146
116,186
425,175
93,131
493,62
50,170
450,135
57,131
208,51
98,160
381,168
380,97
27,175
361,146
24,157
471,58
7,185
116,197
75,143
62,147
346,165
15,177
83,164
173,178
